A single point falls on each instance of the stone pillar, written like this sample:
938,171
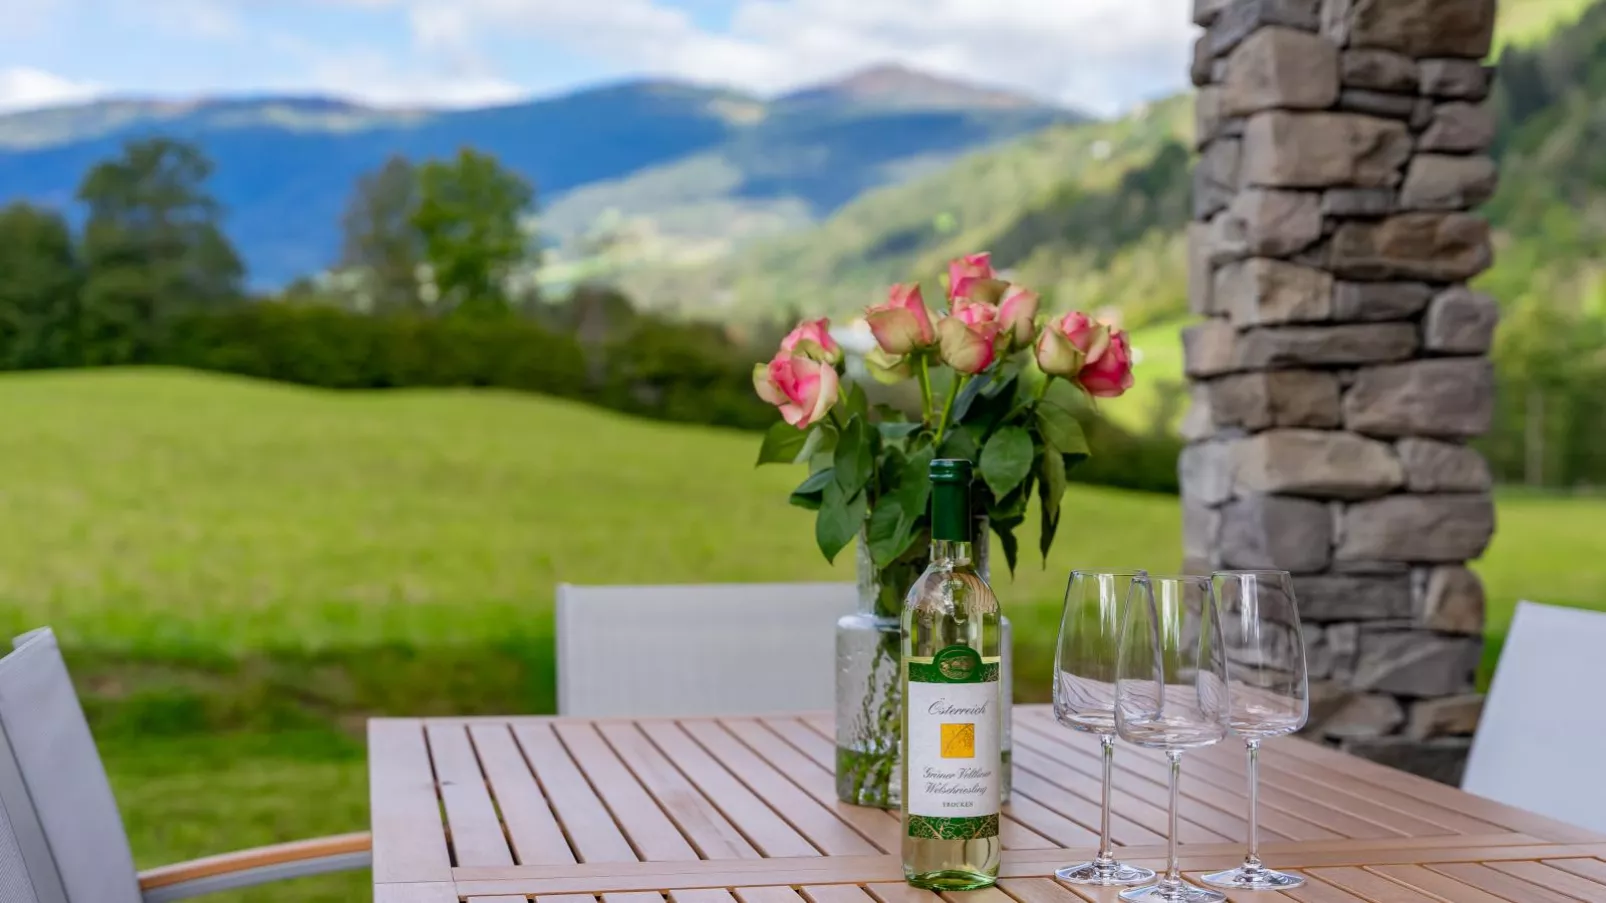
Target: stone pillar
1343,363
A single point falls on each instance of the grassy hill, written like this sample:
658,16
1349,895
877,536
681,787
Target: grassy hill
241,571
1092,213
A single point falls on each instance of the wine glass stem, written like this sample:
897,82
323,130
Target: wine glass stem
1252,861
1173,869
1106,847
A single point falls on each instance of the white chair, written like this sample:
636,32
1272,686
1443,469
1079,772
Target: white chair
66,830
727,649
16,882
1542,738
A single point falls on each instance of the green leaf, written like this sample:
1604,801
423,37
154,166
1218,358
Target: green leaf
1050,489
1005,531
889,414
783,444
1061,430
839,520
890,532
821,439
1006,459
855,402
811,491
960,443
914,483
855,458
967,396
896,431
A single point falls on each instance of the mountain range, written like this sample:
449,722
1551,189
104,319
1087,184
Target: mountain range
697,166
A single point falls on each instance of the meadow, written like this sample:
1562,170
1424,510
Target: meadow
242,571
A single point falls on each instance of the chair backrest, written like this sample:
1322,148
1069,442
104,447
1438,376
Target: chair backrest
47,742
1542,737
16,882
698,650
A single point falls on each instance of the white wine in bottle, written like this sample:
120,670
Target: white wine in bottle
952,714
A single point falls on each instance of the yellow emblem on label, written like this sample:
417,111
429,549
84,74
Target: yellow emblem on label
959,741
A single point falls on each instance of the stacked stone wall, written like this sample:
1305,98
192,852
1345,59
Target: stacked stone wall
1342,364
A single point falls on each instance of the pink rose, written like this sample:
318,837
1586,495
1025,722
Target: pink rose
1109,375
966,272
813,338
1067,344
902,324
968,337
802,388
1018,314
889,369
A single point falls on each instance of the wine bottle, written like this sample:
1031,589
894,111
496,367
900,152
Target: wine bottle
952,714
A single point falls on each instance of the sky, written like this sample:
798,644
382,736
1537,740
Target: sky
1098,55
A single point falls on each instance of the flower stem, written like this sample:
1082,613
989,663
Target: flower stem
925,388
948,406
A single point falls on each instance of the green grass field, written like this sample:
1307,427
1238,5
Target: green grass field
242,571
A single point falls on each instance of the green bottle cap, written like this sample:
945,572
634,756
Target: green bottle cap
951,470
950,499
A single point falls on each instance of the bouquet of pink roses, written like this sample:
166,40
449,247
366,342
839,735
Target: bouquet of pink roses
998,386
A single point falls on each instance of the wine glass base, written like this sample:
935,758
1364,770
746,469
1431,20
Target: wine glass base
1184,893
1104,874
1253,879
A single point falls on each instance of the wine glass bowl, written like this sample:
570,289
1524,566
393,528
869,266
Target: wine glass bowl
1084,697
1171,694
1269,691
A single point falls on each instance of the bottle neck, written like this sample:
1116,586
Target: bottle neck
952,552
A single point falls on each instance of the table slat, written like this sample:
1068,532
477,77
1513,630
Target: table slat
477,837
757,823
900,893
702,823
627,791
701,896
743,810
1592,869
409,843
1553,878
1479,875
422,892
879,826
836,893
819,825
1038,890
1316,891
767,895
1202,785
1398,783
532,829
587,824
1439,885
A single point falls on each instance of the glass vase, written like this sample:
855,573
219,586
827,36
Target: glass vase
869,713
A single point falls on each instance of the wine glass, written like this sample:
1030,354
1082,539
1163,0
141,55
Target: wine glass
1084,697
1268,688
1171,694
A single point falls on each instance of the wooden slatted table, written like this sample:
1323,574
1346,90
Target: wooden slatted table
744,810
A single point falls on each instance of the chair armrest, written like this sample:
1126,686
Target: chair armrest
258,865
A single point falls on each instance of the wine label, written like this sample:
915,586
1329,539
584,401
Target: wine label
954,764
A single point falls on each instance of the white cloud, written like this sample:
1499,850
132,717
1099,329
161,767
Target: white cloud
24,88
1101,54
376,78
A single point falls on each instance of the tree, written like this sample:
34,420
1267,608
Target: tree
153,248
38,289
468,217
380,239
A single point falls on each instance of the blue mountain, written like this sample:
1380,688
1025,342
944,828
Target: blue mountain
285,166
